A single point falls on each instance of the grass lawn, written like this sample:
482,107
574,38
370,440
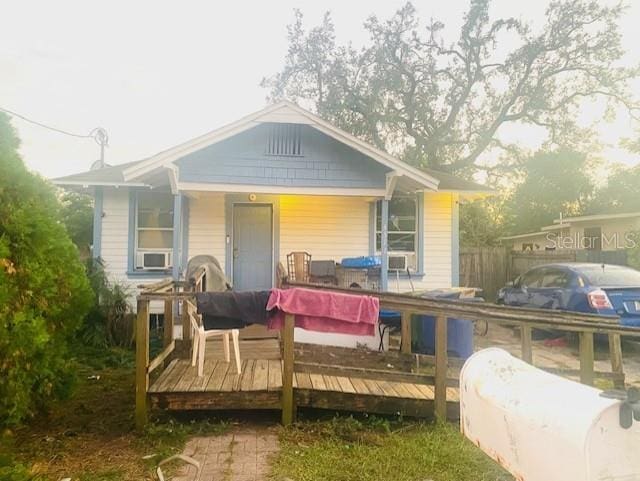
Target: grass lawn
347,449
90,437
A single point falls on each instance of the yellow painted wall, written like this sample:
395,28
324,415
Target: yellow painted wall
438,234
327,227
206,226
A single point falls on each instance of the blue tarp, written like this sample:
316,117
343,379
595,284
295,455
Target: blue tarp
363,262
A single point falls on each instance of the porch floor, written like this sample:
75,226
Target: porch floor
259,386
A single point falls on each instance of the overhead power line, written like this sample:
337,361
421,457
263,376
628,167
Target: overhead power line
99,134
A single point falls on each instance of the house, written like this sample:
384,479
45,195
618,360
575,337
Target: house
601,232
276,181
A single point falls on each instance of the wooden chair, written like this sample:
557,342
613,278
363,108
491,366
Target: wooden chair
298,266
200,336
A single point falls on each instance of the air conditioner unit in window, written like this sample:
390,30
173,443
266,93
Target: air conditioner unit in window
397,262
153,260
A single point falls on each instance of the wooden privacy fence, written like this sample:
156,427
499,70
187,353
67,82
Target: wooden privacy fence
377,382
484,267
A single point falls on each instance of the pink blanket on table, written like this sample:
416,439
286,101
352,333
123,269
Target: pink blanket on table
324,311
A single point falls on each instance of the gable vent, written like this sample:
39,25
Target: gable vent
284,140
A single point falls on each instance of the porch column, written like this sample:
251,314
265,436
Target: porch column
177,236
384,245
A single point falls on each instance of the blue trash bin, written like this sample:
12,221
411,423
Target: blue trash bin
459,331
459,336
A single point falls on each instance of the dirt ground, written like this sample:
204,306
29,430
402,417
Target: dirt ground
562,356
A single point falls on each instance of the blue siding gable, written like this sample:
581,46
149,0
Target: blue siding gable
243,159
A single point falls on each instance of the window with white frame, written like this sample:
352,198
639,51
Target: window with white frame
403,228
154,230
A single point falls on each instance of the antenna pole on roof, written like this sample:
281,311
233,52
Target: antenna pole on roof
101,137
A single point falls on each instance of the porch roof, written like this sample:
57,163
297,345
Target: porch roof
162,167
112,176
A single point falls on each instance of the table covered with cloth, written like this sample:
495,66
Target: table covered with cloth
324,311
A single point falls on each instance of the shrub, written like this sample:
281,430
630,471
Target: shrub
44,291
109,322
77,216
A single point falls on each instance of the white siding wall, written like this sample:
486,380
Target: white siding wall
325,226
328,227
207,227
115,232
115,244
438,232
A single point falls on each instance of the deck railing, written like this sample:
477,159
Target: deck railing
176,296
405,365
585,325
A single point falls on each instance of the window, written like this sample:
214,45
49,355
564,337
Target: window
154,229
402,225
284,140
555,278
532,278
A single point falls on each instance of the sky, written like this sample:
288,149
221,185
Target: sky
157,73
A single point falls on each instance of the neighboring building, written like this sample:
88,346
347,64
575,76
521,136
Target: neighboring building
276,181
603,232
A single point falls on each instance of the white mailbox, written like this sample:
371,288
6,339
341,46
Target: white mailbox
542,427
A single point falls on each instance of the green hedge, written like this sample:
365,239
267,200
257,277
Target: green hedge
44,291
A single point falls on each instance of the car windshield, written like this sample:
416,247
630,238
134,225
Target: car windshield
611,276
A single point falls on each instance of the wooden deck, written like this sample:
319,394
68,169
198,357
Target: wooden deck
280,374
259,386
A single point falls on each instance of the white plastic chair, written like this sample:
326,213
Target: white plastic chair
200,336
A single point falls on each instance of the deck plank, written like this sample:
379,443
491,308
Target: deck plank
246,379
387,389
332,383
359,386
374,387
261,375
402,390
218,376
232,379
275,375
176,375
414,391
186,380
427,391
453,394
345,384
317,381
304,380
161,380
200,382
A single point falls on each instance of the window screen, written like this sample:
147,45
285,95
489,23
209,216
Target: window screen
402,224
154,221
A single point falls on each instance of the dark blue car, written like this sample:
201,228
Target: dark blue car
580,287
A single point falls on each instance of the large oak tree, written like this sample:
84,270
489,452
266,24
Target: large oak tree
446,104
